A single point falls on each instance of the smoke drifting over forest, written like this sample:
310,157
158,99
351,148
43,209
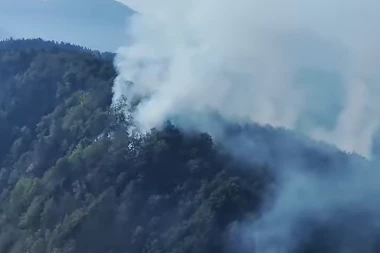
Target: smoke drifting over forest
305,66
259,61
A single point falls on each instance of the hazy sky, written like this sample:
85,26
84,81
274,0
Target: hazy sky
98,24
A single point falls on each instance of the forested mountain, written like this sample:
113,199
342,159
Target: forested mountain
72,180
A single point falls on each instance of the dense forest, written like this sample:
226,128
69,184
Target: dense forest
72,180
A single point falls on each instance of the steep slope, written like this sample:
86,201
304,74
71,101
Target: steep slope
73,180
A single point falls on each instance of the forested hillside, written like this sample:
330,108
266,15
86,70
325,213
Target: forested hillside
73,181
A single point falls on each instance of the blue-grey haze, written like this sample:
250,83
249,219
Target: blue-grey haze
97,24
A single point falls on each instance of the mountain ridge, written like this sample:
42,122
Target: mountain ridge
72,180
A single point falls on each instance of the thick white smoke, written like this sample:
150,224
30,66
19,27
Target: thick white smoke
242,58
311,66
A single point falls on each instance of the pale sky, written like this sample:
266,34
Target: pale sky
98,24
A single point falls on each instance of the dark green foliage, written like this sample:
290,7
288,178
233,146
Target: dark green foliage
72,180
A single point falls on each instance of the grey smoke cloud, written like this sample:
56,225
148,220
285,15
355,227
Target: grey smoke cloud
242,59
305,201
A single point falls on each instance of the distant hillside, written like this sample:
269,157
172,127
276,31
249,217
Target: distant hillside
73,181
40,44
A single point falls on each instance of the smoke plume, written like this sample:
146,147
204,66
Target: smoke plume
259,61
309,66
